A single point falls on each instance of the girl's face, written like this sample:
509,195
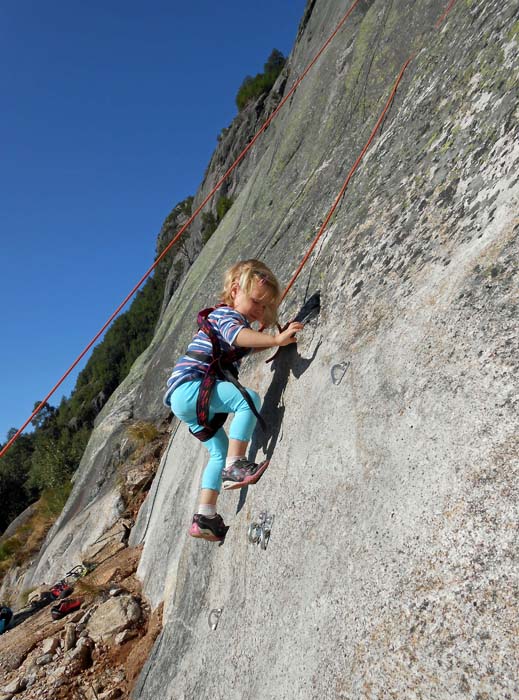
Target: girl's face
251,306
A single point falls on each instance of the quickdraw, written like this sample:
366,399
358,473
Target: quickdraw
259,532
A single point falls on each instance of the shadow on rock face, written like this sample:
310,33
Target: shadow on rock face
286,361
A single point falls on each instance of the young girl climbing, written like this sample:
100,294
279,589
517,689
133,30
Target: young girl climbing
203,387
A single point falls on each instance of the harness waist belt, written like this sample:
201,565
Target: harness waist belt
200,356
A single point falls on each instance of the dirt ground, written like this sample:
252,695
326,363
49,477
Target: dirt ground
114,667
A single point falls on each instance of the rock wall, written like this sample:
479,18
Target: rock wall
392,566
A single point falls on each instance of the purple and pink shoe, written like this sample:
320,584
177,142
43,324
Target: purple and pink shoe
242,473
211,529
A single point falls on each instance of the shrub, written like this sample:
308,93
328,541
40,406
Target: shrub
9,547
143,432
53,501
209,226
29,537
223,206
252,88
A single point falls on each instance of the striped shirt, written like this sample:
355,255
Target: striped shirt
227,323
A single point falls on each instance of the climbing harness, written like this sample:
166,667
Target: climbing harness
259,532
64,587
221,366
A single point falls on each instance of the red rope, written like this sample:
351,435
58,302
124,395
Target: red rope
357,162
442,18
184,227
348,178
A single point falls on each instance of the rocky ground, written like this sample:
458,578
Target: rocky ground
96,652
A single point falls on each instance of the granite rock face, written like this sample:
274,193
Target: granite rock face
391,570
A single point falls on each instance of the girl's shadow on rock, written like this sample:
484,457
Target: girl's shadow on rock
287,360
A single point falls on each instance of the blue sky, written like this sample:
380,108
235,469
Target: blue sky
110,113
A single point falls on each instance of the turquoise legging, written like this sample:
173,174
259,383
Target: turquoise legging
225,399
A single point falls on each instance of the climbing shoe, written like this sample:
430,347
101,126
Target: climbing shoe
242,473
212,529
61,590
68,606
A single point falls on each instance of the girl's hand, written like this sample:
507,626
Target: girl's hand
289,336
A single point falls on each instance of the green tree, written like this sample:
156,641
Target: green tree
252,88
14,469
275,62
222,207
209,225
44,417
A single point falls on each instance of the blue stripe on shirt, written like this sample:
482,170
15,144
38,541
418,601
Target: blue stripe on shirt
227,323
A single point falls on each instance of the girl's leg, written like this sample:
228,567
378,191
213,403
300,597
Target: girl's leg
212,476
238,471
227,398
183,404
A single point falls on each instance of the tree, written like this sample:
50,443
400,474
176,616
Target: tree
44,416
14,469
252,88
275,62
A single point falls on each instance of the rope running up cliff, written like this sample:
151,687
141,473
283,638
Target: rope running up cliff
184,227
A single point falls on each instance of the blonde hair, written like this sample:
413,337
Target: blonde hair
247,273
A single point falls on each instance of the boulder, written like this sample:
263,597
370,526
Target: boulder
44,659
114,616
15,687
70,636
125,636
81,656
50,645
111,694
138,477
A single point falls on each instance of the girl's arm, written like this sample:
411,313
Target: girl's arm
247,338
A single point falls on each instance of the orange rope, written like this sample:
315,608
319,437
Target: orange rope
359,159
347,181
442,18
184,227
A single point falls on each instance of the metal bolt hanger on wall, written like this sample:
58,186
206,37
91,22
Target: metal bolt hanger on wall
259,532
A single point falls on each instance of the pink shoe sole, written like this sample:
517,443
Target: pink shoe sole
195,531
249,480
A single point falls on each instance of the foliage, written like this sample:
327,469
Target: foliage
143,432
210,222
14,470
222,207
29,536
52,501
9,547
209,225
252,88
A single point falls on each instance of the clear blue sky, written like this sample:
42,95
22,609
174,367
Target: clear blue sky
110,113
